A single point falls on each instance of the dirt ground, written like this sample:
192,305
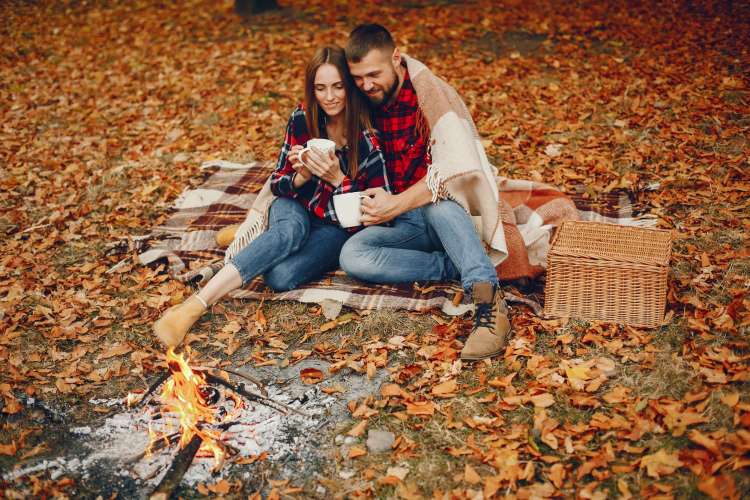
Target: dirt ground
108,109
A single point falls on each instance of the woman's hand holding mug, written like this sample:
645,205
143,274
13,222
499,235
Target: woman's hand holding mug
303,174
323,162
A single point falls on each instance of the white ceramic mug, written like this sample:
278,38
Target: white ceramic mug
348,208
321,145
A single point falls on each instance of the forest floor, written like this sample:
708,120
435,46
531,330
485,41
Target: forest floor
109,108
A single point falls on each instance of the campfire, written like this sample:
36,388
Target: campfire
191,413
196,425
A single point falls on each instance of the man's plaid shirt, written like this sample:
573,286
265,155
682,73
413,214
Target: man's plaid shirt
316,195
406,153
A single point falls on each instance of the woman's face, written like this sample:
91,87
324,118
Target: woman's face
329,90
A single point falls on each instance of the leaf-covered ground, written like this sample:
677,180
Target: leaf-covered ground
108,108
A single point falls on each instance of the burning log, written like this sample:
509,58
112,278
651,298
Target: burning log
177,469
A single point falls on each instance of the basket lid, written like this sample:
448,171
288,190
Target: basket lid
614,242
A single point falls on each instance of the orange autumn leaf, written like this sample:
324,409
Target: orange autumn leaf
8,449
446,389
357,451
471,476
420,408
391,390
719,487
660,463
311,376
358,429
544,400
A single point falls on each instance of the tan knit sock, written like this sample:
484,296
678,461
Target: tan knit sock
176,321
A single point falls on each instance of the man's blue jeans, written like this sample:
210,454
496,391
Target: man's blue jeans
296,248
435,242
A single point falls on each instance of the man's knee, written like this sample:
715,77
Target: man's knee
443,209
356,259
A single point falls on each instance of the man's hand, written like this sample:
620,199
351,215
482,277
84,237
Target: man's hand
379,206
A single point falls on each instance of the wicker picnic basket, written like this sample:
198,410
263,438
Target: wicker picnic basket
608,272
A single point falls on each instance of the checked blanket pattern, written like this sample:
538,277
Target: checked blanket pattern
186,244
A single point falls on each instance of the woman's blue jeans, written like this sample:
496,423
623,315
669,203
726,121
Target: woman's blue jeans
296,248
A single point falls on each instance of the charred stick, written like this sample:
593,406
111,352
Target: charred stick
162,378
240,389
176,471
238,373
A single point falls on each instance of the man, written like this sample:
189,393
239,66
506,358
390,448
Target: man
428,239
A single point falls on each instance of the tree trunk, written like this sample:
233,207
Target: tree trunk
247,8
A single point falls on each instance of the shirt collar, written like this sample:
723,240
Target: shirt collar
405,94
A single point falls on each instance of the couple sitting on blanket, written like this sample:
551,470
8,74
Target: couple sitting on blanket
423,139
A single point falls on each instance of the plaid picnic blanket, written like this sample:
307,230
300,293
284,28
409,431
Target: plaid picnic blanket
186,241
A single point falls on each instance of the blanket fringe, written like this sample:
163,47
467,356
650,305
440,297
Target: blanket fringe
436,184
246,233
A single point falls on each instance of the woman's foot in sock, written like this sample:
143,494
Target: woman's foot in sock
176,321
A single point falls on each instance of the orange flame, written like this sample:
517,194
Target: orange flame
182,396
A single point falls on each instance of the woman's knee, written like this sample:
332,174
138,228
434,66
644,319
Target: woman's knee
280,278
289,222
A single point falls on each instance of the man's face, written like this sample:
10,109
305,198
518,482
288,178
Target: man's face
375,75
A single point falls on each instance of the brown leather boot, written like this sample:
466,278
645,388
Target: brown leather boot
176,321
491,324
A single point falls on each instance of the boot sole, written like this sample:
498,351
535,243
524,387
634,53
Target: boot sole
479,358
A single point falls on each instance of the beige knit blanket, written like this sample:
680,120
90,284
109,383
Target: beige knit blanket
460,170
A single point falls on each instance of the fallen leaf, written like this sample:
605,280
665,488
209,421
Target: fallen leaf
311,376
115,350
471,476
660,463
446,389
358,429
420,408
357,451
543,400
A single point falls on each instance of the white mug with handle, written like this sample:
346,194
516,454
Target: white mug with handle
321,145
348,207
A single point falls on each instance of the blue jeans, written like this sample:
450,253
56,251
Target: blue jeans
296,248
435,242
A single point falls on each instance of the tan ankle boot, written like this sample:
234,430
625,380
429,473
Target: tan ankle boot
176,321
491,324
226,235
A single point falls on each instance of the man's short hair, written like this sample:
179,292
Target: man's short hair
365,38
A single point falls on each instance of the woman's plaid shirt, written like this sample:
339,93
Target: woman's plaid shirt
316,195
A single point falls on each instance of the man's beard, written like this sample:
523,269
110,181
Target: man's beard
388,93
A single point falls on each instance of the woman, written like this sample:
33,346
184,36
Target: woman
303,239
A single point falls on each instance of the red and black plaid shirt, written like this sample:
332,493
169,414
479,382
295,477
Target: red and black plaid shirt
406,153
316,195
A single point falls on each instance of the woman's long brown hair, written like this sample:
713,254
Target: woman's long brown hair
356,113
